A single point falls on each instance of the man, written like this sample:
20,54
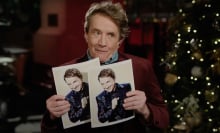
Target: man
106,26
110,101
78,97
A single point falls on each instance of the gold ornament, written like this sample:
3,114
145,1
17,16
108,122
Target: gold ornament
193,120
170,79
182,128
197,55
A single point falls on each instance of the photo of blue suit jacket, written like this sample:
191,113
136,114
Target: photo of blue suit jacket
104,102
77,112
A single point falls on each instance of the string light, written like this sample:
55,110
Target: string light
197,48
209,84
201,60
193,2
188,28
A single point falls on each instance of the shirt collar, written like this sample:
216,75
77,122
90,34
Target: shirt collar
113,59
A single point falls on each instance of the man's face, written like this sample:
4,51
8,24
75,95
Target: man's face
102,37
107,83
75,83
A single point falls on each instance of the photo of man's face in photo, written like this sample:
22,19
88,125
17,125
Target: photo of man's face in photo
107,83
75,83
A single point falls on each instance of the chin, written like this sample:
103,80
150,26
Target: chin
103,59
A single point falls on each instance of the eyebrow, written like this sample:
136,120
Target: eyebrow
96,29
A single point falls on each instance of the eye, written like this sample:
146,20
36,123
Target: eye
96,33
111,35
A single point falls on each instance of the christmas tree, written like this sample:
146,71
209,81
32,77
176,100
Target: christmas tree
192,68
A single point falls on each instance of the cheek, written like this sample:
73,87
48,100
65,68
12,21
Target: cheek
114,47
91,43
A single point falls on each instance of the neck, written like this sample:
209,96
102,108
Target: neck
113,59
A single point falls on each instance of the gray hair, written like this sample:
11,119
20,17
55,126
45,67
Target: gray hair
114,11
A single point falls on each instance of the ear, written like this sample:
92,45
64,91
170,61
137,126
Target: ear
86,36
120,41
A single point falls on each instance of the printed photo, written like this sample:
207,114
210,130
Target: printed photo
108,91
71,81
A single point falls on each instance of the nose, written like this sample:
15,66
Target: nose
102,40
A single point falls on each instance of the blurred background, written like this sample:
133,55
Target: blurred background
181,38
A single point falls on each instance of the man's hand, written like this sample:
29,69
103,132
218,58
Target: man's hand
136,100
57,106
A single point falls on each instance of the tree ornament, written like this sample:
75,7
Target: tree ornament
170,79
194,119
196,71
216,24
193,43
197,55
182,127
216,55
216,68
211,95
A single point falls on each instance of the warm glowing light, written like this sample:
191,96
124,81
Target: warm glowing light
215,130
209,84
188,29
207,78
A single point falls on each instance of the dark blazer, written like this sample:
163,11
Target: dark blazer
77,112
104,101
145,80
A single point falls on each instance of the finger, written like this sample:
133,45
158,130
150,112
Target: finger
60,110
60,113
62,107
56,98
130,106
131,93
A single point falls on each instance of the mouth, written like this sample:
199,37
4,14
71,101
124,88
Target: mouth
101,51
